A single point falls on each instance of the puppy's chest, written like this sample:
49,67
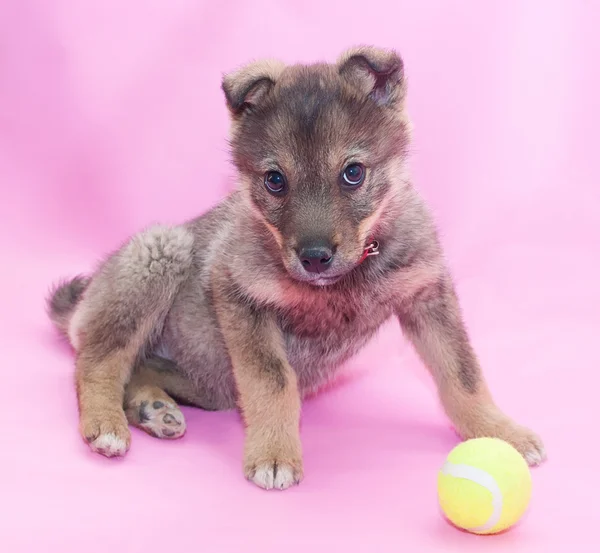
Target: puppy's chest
322,315
328,328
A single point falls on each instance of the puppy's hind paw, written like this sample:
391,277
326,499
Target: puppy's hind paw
161,419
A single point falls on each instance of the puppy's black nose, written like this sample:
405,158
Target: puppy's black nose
316,258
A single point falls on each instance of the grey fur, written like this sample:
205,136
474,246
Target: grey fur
323,327
160,284
156,296
63,299
131,292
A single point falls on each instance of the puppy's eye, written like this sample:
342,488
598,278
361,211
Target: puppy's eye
353,175
275,183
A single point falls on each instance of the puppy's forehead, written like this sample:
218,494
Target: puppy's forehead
305,95
310,115
314,120
310,79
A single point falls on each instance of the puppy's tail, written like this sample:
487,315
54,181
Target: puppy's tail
63,300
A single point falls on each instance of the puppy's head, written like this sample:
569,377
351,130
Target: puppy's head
319,149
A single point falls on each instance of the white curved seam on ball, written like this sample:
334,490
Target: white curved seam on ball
483,478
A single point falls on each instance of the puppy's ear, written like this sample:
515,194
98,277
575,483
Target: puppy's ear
376,72
246,87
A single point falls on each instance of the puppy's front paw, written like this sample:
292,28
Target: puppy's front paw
273,474
107,433
273,465
526,442
491,423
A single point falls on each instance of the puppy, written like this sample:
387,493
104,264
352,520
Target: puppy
259,301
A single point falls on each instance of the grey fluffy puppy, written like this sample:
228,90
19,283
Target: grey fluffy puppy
259,301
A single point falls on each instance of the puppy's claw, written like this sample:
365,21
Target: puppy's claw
107,435
110,445
274,476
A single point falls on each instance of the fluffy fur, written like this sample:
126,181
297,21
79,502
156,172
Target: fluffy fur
219,312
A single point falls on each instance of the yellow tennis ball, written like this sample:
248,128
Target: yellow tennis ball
484,486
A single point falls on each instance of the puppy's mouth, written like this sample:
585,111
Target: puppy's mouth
317,280
326,280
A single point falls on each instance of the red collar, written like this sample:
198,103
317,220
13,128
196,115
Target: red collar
371,249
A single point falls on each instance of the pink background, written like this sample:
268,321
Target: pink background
111,117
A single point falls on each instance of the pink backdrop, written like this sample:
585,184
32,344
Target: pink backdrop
111,117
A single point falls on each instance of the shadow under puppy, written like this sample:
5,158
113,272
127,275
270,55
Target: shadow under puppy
259,301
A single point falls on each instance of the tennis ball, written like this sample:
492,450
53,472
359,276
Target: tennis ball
484,486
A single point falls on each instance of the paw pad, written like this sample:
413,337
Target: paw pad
162,420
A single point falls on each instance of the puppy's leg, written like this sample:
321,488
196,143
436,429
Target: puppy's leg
433,322
268,393
100,384
122,308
